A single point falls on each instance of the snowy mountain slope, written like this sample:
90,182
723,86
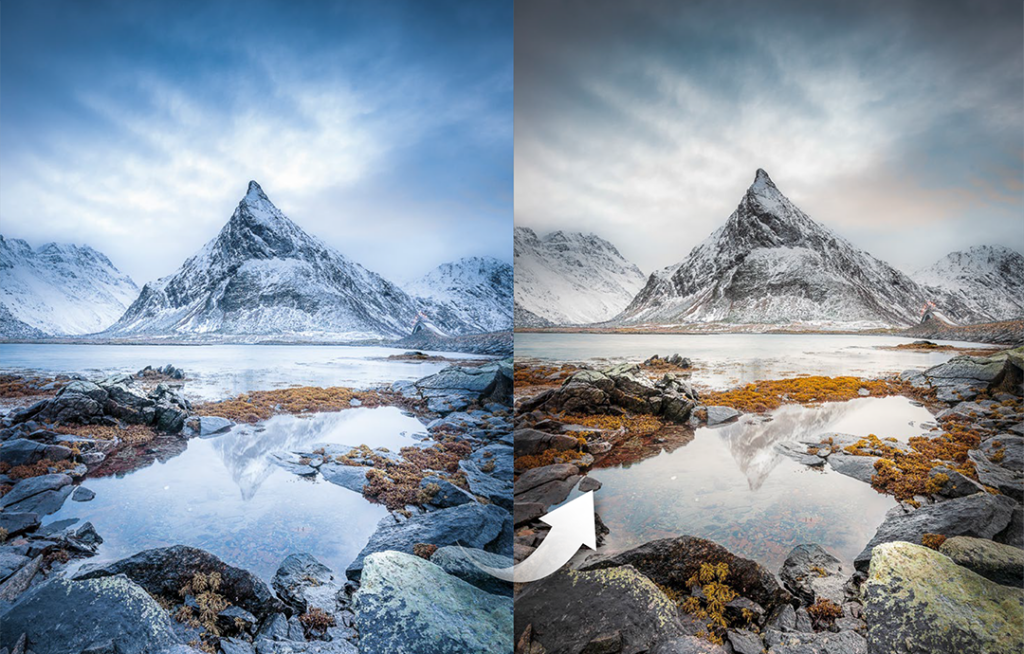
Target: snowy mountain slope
263,275
984,283
61,289
471,295
570,279
771,263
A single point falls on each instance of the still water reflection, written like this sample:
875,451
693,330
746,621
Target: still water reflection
731,485
226,495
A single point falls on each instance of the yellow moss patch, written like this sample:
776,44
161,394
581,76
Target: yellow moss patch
547,457
261,405
37,469
129,435
906,474
763,396
642,425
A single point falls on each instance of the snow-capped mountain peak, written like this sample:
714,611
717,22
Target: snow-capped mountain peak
60,289
771,263
263,275
570,278
472,294
984,282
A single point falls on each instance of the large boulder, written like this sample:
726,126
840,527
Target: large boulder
980,515
532,441
21,451
164,571
918,600
489,474
1000,563
407,604
965,370
492,381
796,642
672,561
486,527
42,495
462,562
571,608
110,614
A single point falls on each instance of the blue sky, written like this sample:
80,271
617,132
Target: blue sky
384,128
899,124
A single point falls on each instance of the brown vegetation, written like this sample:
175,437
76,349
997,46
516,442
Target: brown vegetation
933,541
129,434
824,613
767,395
261,405
316,622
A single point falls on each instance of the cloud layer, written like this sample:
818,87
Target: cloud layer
899,125
383,128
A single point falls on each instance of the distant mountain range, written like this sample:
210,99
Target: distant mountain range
59,290
263,276
570,278
982,284
770,263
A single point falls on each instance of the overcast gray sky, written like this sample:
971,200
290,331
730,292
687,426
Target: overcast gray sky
135,127
897,124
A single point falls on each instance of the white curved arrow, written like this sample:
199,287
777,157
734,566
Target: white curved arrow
572,525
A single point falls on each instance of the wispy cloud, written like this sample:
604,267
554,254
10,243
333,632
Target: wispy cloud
364,122
645,122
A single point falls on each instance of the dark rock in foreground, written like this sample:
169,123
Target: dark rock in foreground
166,570
981,515
672,561
111,614
571,608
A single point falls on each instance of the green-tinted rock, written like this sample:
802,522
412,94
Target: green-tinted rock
919,601
1002,564
407,605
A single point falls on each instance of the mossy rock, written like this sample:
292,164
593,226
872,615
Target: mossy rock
919,601
1000,563
408,605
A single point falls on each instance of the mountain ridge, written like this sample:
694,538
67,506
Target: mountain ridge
569,278
59,289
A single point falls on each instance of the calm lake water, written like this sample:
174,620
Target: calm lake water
728,360
732,486
218,371
227,496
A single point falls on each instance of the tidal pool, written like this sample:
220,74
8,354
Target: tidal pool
731,485
728,360
227,496
219,371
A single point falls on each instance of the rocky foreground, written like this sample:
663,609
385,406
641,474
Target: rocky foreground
413,588
943,573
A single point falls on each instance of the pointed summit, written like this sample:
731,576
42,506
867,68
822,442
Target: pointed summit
254,193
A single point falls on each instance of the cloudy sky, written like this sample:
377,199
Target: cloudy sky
897,124
383,128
